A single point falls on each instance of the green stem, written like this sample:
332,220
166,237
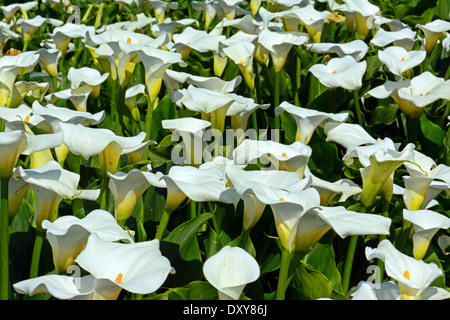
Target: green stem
276,98
38,241
283,277
104,194
358,108
4,240
349,263
193,209
162,225
298,66
245,234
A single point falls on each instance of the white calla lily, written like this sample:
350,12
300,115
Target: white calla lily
89,76
64,34
127,188
343,72
135,267
242,54
432,32
230,270
425,224
413,276
308,120
11,9
398,60
293,157
356,48
68,235
404,38
51,184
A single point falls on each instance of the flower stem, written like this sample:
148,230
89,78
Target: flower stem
283,277
412,125
104,194
162,225
4,240
349,263
358,108
39,239
276,98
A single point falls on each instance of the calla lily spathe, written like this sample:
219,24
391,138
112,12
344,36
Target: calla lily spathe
356,48
127,188
62,35
404,38
426,223
308,120
230,270
78,97
135,267
415,94
432,32
413,276
398,60
89,142
89,76
15,143
293,157
68,235
51,184
343,72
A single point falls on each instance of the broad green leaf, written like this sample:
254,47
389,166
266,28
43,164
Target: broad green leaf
432,131
384,115
312,283
322,258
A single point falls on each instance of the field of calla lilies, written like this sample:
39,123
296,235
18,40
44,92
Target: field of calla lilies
225,150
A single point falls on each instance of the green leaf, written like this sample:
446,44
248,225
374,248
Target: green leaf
312,283
384,115
323,258
432,131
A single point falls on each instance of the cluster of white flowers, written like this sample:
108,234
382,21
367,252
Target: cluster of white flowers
303,205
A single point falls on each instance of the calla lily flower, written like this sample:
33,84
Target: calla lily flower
230,270
241,110
301,225
54,116
127,188
312,19
415,94
62,35
156,62
328,190
51,184
259,188
210,7
347,134
199,185
89,142
356,48
78,96
212,105
67,287
174,78
343,72
398,60
10,68
48,61
10,10
135,267
425,224
379,162
15,143
308,120
160,8
366,14
242,54
131,100
198,40
444,243
413,276
68,235
229,8
432,32
404,38
168,27
89,76
191,131
14,118
292,157
278,44
390,291
30,26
